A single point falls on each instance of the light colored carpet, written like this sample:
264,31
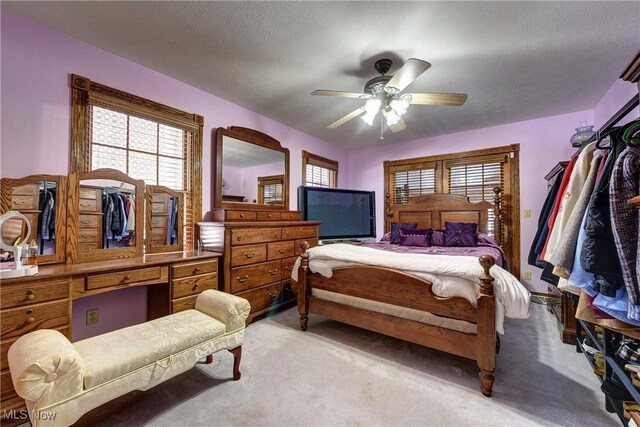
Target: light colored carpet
335,374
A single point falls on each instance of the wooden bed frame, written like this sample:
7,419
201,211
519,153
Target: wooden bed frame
397,288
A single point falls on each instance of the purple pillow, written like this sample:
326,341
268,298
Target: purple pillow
438,237
461,234
415,237
486,239
395,231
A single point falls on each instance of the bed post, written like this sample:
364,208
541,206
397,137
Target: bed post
303,294
486,327
498,212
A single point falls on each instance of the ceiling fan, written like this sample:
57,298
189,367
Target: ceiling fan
383,94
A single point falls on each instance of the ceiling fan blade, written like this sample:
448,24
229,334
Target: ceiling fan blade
396,127
410,71
451,99
337,93
345,119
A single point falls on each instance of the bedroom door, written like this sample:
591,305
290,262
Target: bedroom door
473,174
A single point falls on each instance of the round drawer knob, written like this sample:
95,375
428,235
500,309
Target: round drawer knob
195,270
31,319
30,296
239,238
195,287
269,215
241,215
126,278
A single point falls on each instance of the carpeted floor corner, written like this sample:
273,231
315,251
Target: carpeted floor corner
335,374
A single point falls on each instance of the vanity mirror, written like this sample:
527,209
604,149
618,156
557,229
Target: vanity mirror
251,168
164,213
105,216
42,200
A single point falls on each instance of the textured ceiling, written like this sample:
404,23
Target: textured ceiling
516,60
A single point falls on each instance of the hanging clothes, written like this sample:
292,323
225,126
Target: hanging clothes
131,217
543,224
625,184
599,245
569,198
564,253
172,221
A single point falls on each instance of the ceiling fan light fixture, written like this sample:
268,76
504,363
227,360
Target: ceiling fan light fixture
391,90
371,107
391,117
400,105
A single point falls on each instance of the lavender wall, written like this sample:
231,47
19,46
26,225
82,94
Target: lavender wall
35,65
543,142
616,97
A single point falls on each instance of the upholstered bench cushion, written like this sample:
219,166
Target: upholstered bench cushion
120,352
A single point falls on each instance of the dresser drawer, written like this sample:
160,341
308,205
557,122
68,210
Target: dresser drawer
19,321
194,285
33,292
244,236
6,386
20,203
5,344
262,297
159,233
88,235
88,205
241,215
268,216
89,221
84,247
179,271
141,275
159,221
25,190
89,193
255,275
291,216
287,267
279,250
182,304
159,208
298,248
248,254
298,232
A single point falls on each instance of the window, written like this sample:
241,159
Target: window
319,171
144,139
408,183
270,190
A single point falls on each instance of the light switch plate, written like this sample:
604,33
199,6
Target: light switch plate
527,275
527,213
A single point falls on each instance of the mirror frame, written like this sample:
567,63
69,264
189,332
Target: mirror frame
251,136
150,248
73,215
6,186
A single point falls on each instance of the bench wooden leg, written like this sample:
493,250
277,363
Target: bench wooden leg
209,359
237,355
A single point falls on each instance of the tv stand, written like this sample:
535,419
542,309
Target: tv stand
346,241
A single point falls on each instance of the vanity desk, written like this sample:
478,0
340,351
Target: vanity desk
172,277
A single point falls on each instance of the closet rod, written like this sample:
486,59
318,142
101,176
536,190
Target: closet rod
626,109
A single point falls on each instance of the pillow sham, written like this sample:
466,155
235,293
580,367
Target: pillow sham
415,237
486,239
438,237
395,231
461,234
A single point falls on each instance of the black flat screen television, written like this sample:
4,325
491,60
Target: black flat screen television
345,214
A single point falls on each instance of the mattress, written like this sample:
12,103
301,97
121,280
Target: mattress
397,311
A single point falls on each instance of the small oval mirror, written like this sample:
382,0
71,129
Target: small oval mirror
15,230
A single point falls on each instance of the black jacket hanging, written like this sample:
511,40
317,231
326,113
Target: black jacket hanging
543,224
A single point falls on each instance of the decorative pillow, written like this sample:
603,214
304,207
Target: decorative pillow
415,237
386,237
461,234
438,237
395,231
486,239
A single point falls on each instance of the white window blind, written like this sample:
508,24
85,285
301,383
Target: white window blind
411,183
143,149
318,176
270,189
476,181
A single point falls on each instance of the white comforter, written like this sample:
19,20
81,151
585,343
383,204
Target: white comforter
451,275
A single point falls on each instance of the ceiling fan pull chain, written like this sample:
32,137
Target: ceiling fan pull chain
381,128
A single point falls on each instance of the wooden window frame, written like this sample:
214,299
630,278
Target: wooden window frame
315,160
269,180
85,93
442,162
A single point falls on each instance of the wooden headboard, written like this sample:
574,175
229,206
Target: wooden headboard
433,210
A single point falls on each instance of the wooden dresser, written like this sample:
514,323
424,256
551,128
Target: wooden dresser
90,219
260,248
173,282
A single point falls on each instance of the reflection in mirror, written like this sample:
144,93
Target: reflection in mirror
106,214
244,165
164,226
14,231
39,203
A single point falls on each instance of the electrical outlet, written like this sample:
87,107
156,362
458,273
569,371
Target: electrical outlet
527,275
527,213
92,316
